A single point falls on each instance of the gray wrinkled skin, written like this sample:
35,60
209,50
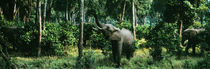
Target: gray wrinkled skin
192,36
122,41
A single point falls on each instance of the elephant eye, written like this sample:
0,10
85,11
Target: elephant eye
110,29
107,28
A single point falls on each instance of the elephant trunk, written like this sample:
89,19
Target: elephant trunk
182,41
97,22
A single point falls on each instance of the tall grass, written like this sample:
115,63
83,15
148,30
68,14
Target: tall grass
94,59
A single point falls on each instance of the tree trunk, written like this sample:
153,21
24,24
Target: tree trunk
89,19
0,11
38,17
144,23
15,10
81,28
180,30
123,12
49,8
133,12
67,13
8,9
135,17
44,14
150,22
73,15
201,18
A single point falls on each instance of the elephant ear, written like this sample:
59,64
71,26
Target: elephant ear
116,29
116,34
113,28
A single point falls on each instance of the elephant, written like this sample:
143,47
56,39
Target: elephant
193,37
10,35
122,40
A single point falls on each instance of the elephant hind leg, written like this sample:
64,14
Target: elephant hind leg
129,54
193,49
119,52
116,51
187,48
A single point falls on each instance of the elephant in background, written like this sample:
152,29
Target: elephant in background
9,34
122,40
193,37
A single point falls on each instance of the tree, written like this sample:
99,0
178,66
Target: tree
156,10
44,14
182,14
143,8
9,8
81,28
134,19
121,7
38,20
98,6
185,12
123,12
201,9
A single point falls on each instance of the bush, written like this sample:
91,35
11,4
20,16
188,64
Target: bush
25,37
58,36
196,24
89,28
94,38
88,61
11,33
142,31
98,41
163,35
207,30
69,34
126,25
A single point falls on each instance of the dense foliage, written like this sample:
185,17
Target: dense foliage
158,26
56,37
165,36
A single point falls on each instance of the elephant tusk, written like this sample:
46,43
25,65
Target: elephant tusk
99,28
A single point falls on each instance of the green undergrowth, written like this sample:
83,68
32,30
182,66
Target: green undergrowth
94,59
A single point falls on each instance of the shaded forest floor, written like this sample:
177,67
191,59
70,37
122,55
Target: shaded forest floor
93,58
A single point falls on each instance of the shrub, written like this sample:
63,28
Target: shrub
207,30
196,24
57,36
88,61
54,39
126,25
94,38
142,31
98,41
163,35
69,33
89,29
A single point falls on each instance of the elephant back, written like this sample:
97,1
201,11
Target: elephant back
127,36
190,33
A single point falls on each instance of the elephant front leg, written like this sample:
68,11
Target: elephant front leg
187,48
119,52
193,48
116,51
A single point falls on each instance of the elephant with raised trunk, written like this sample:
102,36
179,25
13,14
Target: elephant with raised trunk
193,37
122,40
